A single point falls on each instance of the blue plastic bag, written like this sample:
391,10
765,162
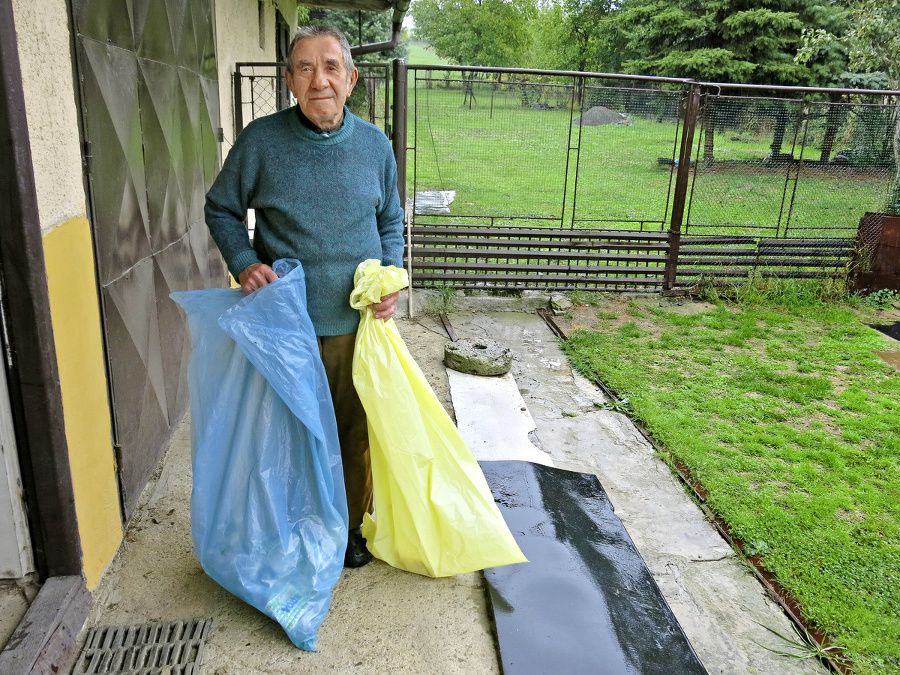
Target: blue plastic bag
268,507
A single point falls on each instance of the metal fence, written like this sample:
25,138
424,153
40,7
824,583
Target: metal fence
518,178
260,89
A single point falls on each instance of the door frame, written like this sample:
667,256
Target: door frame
46,636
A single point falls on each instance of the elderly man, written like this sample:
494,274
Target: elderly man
323,184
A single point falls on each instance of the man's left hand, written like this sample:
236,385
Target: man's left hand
385,309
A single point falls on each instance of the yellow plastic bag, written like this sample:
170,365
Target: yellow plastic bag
434,513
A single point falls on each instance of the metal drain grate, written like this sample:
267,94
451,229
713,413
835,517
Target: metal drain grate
174,648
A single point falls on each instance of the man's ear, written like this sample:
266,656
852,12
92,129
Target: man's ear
354,76
290,82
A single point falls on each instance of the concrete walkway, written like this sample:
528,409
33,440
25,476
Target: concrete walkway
386,621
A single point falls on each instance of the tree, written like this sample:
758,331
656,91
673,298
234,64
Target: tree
476,32
726,40
363,28
872,40
747,41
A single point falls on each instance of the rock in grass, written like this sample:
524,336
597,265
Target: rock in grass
559,304
477,357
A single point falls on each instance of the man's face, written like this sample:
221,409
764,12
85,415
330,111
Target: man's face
320,81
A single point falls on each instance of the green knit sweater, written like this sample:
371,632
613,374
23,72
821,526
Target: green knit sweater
328,200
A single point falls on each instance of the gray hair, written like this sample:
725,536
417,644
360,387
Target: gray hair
304,32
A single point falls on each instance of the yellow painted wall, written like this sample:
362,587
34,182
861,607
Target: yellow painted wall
75,311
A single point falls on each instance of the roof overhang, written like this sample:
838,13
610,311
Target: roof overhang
399,8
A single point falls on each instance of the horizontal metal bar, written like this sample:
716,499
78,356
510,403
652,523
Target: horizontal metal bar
611,235
531,279
561,73
801,274
559,286
528,243
801,90
763,262
650,78
720,239
831,250
419,253
837,241
696,251
472,268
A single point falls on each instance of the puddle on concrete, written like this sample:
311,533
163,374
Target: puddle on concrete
891,357
586,602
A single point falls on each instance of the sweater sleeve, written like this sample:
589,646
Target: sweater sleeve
390,217
226,206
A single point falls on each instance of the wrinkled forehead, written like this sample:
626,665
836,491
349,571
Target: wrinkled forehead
339,63
325,50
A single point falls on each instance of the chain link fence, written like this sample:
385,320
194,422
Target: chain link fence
260,89
776,183
520,178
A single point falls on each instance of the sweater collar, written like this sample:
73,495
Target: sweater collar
310,132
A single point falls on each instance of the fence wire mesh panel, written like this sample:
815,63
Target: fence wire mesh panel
538,180
260,89
780,184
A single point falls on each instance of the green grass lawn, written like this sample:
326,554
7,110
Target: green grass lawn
792,424
420,53
504,159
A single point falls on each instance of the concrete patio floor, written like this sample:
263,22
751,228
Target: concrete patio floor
384,620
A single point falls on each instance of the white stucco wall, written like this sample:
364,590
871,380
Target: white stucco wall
237,40
45,53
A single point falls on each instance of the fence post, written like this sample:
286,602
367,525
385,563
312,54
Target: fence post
691,109
238,103
398,137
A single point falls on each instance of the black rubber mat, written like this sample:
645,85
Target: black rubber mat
585,602
890,329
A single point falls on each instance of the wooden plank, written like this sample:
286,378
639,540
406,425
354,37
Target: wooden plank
45,640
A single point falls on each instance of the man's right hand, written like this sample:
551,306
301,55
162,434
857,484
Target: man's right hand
255,276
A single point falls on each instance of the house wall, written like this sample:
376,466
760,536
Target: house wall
237,41
45,52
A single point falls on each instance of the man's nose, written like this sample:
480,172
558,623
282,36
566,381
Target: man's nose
319,79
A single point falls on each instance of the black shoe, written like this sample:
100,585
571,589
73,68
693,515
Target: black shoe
357,554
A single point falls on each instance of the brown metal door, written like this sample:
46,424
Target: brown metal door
147,70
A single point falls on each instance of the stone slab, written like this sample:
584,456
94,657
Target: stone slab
493,419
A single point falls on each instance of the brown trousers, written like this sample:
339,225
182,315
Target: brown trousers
353,432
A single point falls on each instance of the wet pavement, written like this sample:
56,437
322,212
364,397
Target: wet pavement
383,620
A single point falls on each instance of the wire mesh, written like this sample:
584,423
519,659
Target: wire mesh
796,174
505,161
528,163
263,91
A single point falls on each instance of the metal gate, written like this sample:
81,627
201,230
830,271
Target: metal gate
149,95
512,177
520,179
